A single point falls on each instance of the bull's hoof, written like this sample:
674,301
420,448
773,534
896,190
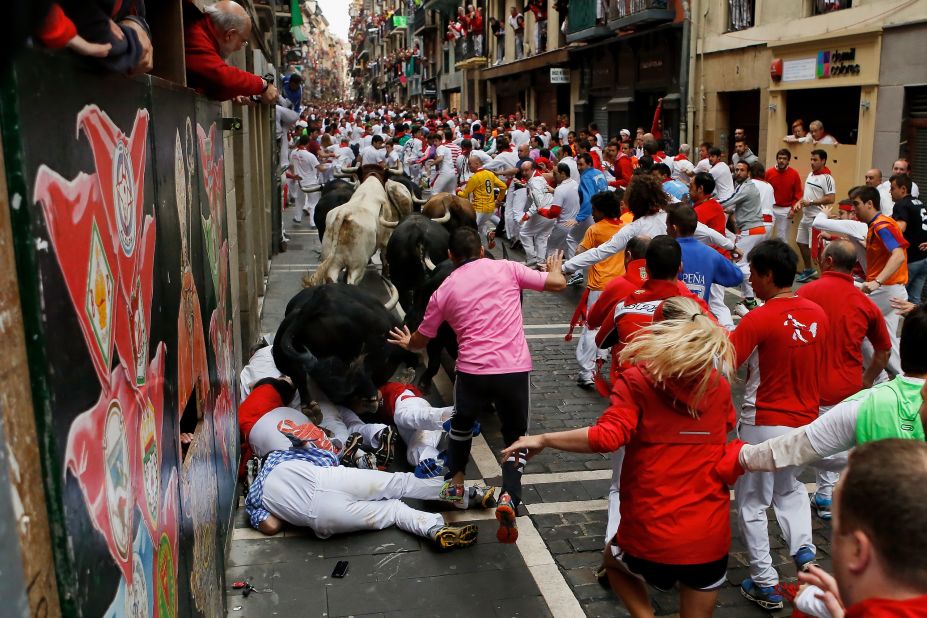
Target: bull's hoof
313,411
407,376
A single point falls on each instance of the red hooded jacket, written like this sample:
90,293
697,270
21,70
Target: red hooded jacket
207,72
674,508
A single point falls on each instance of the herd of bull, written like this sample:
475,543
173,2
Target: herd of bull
334,331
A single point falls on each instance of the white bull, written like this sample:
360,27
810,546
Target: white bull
359,228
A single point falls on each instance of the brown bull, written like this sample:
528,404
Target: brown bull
450,211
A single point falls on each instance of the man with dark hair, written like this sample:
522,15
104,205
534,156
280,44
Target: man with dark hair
911,216
820,190
742,152
787,189
711,214
778,341
886,262
677,191
853,319
724,180
702,266
481,301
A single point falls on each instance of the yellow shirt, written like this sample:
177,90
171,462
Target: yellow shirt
480,187
606,270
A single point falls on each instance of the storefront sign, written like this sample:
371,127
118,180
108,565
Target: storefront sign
559,76
837,62
798,70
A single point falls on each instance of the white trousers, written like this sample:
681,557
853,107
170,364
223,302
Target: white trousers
575,236
586,350
515,202
745,244
305,202
339,499
614,500
781,223
420,426
444,183
342,422
486,222
719,308
881,298
757,491
534,236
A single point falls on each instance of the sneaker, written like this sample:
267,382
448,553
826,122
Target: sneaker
804,558
750,304
365,461
821,506
448,537
575,279
766,597
807,275
351,447
483,497
305,435
491,239
446,426
601,576
451,492
387,448
740,309
505,514
428,468
585,383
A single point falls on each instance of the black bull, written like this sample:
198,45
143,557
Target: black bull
446,339
336,333
413,249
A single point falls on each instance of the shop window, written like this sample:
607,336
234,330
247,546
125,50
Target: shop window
829,6
836,108
741,14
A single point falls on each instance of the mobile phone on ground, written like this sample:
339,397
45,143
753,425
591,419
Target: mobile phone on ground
341,569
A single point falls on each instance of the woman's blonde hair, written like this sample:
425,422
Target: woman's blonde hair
685,346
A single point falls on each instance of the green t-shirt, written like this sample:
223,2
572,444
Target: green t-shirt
890,410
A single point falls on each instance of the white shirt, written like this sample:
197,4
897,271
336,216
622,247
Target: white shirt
503,160
681,170
371,156
724,181
566,196
344,157
827,139
564,134
817,186
574,171
520,137
446,167
767,197
703,165
305,165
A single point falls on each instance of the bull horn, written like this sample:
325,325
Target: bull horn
393,294
350,170
312,189
428,263
418,200
389,224
395,171
443,218
341,174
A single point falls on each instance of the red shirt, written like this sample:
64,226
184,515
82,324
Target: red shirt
392,394
889,608
783,344
618,289
259,402
854,318
674,509
207,72
710,213
786,186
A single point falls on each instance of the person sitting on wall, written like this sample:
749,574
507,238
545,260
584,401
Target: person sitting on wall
224,28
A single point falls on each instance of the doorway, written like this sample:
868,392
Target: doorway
743,112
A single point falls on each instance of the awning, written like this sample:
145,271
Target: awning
448,7
540,61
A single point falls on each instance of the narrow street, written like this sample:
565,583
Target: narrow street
549,572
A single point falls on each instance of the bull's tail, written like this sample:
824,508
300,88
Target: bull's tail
287,353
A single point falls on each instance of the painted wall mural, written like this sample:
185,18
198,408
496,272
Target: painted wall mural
132,336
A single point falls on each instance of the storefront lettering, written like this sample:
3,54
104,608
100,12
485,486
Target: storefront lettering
837,62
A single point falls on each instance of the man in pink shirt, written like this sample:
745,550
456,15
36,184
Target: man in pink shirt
481,301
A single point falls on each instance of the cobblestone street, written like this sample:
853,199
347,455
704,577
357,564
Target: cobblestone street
562,523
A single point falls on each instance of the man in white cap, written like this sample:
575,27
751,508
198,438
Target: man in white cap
625,135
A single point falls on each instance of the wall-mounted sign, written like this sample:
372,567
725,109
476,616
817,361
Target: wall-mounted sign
837,62
798,70
400,21
559,76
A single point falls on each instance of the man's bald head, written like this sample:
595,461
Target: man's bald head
873,177
839,256
636,248
232,24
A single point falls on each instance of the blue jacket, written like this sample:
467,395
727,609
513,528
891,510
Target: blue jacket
591,181
703,266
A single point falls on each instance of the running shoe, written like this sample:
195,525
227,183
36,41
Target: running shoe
482,497
449,537
601,576
304,435
767,597
807,275
451,492
821,506
585,383
446,426
351,447
575,279
428,468
804,558
491,239
365,461
505,514
387,448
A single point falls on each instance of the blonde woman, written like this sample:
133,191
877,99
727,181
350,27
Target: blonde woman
672,411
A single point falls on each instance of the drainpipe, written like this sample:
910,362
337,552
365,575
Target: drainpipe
685,71
701,74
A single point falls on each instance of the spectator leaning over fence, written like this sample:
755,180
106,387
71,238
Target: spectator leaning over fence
224,28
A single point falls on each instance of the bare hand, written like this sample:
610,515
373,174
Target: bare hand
244,100
146,62
568,223
902,306
116,30
270,95
400,336
80,45
532,444
825,581
869,287
554,262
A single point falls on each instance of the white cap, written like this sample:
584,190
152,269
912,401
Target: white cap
625,132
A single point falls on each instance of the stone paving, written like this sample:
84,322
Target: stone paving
550,571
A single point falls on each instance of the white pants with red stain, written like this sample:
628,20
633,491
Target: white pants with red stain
341,422
420,426
338,499
755,492
614,500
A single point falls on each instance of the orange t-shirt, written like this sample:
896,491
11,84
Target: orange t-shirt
884,236
606,270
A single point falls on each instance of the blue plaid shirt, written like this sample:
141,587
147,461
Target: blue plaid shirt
254,502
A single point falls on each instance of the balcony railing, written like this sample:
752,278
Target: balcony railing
742,14
627,13
582,15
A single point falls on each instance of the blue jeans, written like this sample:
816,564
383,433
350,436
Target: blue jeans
917,273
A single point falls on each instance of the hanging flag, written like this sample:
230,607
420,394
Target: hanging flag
296,22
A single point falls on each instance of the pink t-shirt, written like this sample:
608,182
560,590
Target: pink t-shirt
481,302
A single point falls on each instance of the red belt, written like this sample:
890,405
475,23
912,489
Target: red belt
754,231
767,218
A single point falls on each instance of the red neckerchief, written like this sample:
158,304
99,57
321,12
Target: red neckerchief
680,157
823,170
